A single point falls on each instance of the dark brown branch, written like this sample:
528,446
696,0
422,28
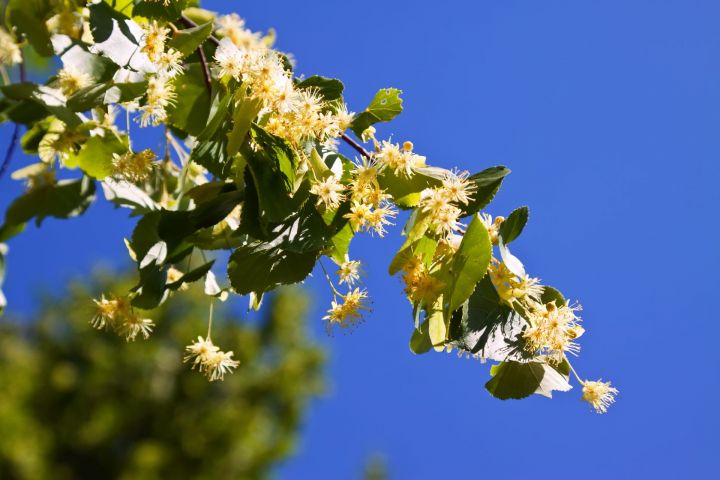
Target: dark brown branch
16,133
205,70
190,24
360,149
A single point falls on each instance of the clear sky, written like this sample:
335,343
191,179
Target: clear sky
608,113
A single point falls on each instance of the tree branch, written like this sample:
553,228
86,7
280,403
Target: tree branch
16,133
205,71
359,148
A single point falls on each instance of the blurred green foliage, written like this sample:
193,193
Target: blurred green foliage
76,403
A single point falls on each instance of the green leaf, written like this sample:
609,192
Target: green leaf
487,183
424,247
341,244
211,150
420,341
96,155
88,97
487,327
437,327
117,38
385,106
29,16
158,10
145,235
519,380
190,112
274,201
331,89
175,226
406,191
126,194
65,199
77,57
188,40
514,224
259,266
30,141
46,97
151,288
244,112
550,294
470,264
279,152
192,276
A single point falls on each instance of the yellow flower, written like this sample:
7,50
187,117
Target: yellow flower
552,331
154,39
10,53
492,226
359,215
209,359
349,272
70,80
346,314
131,325
233,27
117,314
230,60
600,395
457,188
160,95
134,167
328,191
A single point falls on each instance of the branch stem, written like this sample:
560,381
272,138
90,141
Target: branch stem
16,133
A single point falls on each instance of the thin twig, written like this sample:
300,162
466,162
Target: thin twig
360,149
16,133
205,71
201,53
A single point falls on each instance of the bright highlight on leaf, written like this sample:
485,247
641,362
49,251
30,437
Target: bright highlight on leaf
260,163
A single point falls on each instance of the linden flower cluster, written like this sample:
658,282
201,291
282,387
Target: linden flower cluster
348,312
552,331
59,143
209,359
66,21
600,395
70,80
370,208
420,285
441,204
553,328
492,226
10,53
117,314
295,114
134,167
161,89
349,272
402,163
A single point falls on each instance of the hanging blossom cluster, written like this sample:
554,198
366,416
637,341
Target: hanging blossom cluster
255,167
209,359
117,314
161,89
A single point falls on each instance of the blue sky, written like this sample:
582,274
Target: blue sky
608,114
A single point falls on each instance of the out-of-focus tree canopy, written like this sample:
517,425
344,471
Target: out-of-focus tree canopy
78,404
